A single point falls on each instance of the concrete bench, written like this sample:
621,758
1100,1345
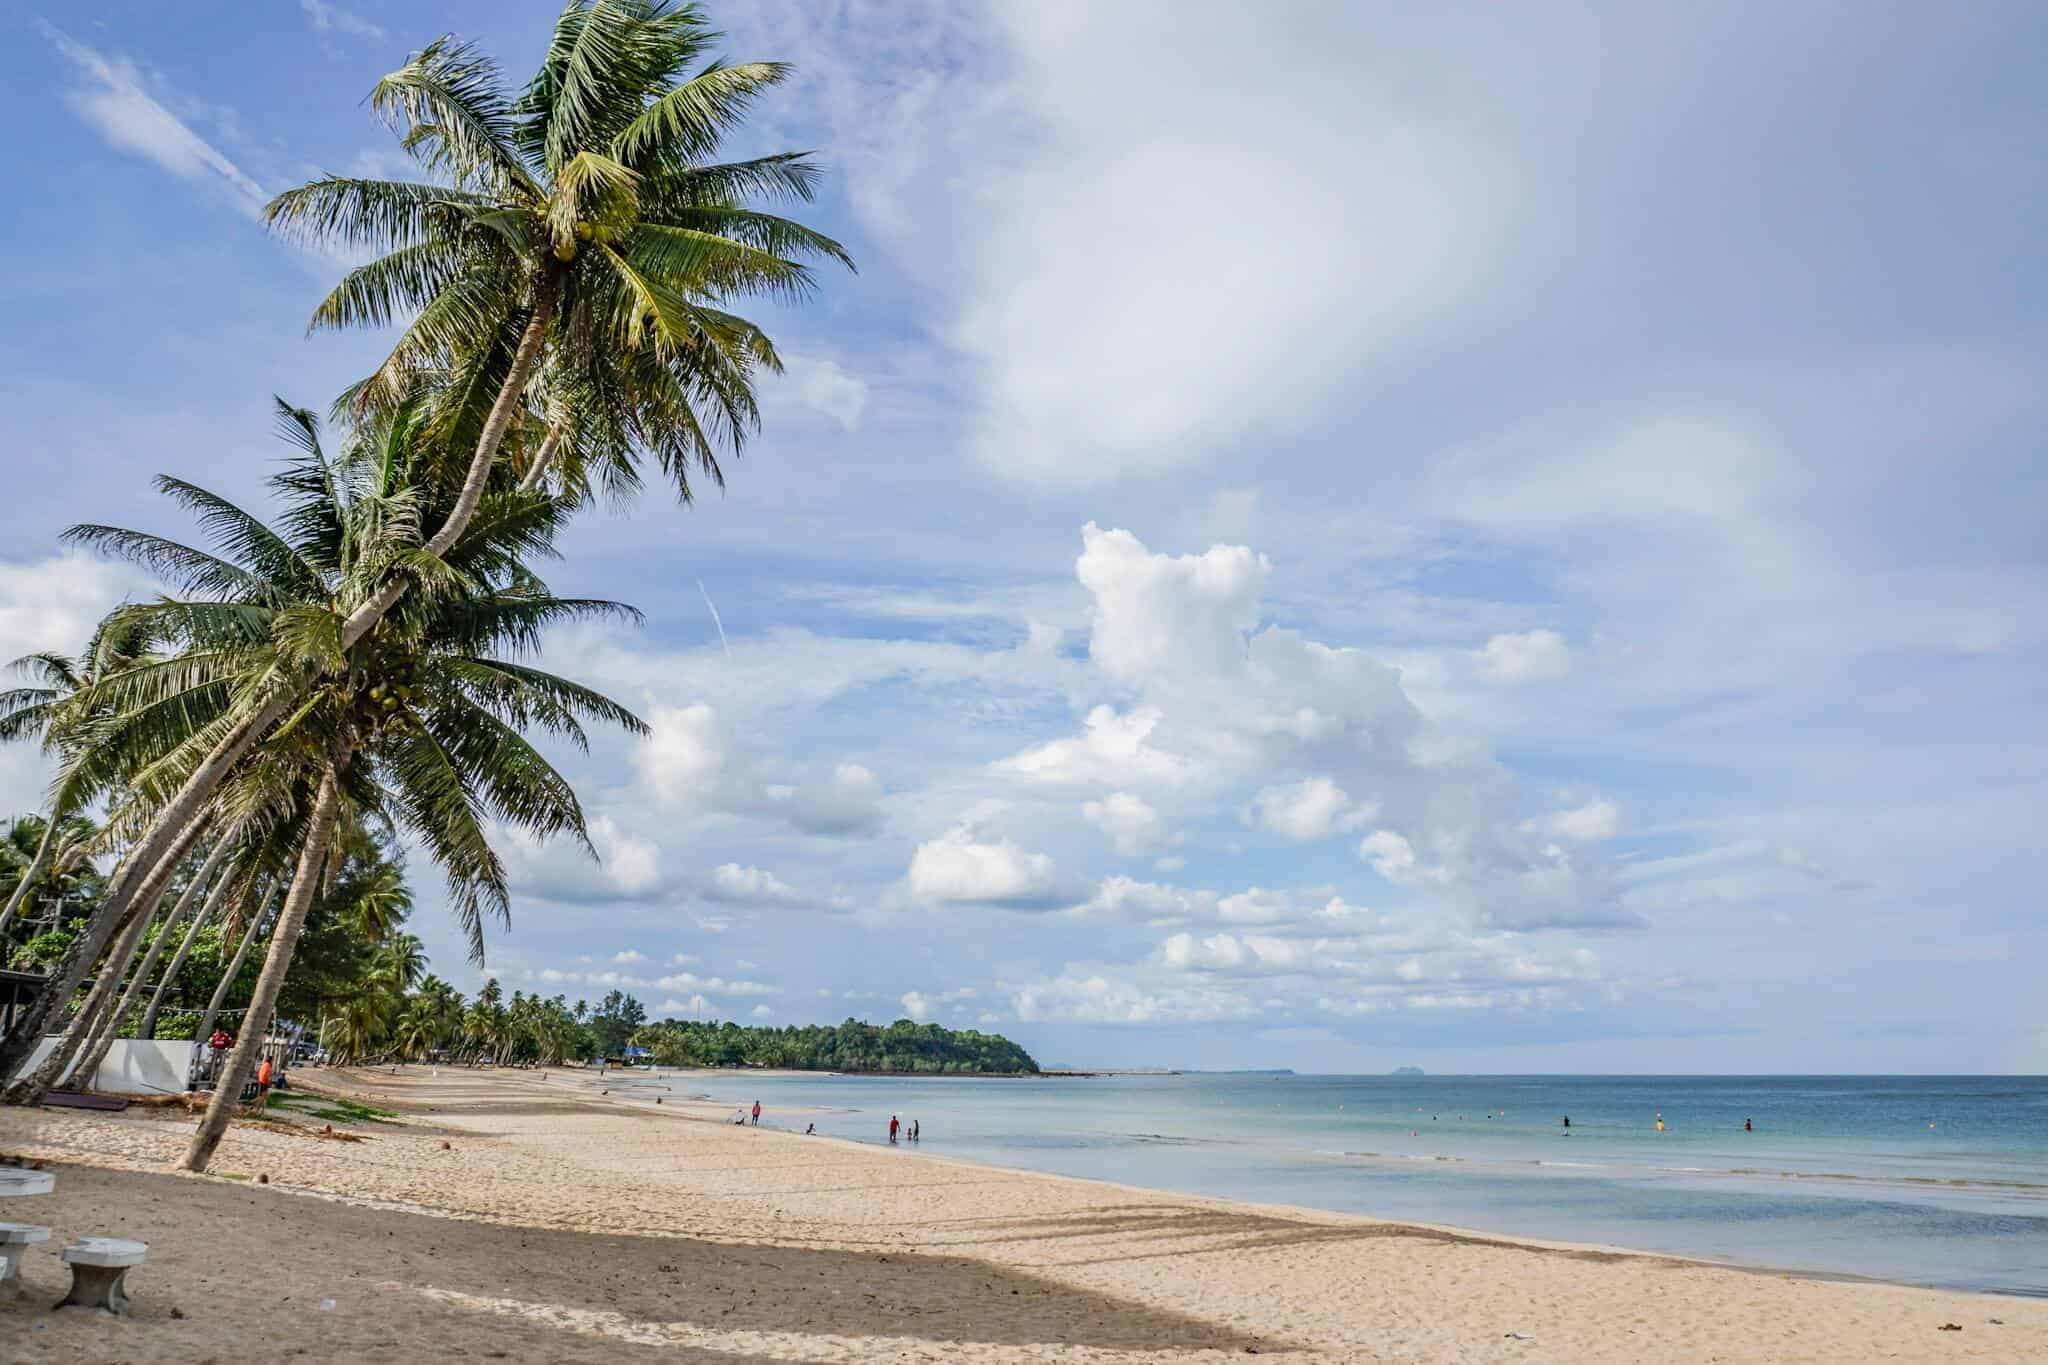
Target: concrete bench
99,1265
19,1180
15,1240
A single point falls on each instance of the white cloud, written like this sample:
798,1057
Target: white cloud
1226,952
632,865
734,884
114,101
1080,995
628,957
762,1012
1113,748
694,1007
1535,656
680,759
845,805
1131,824
822,385
1117,325
717,985
1393,857
1592,821
965,866
916,1007
1307,810
1154,613
329,18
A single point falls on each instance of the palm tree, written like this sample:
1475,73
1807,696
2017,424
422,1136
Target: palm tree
581,224
419,723
52,680
579,236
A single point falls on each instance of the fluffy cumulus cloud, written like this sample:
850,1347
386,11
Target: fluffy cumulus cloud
1133,826
845,804
737,885
1309,809
682,755
1113,747
1226,700
1534,656
967,865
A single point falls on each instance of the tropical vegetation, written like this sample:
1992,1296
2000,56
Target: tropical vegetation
237,761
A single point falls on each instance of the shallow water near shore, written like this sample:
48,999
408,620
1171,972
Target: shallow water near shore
1926,1180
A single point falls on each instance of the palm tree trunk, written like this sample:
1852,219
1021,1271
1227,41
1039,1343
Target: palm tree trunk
365,617
141,876
32,873
103,1041
234,968
544,457
227,1089
206,915
31,1088
61,984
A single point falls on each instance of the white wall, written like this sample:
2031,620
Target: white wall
134,1066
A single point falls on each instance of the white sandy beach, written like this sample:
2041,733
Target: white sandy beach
555,1226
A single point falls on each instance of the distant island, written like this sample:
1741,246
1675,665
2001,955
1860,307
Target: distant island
1408,1071
903,1048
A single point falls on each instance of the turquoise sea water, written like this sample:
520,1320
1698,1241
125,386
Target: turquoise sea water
1927,1180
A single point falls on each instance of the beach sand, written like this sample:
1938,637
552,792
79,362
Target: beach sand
559,1226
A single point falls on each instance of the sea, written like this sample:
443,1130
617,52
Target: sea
1934,1180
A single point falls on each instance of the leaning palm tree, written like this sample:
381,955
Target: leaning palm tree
419,723
582,222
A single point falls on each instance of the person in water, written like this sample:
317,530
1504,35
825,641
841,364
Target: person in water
1567,1122
1748,1127
893,1125
1660,1122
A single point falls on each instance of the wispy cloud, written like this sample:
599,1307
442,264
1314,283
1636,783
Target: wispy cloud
111,97
326,18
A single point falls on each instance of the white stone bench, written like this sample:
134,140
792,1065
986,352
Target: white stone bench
19,1180
99,1265
15,1240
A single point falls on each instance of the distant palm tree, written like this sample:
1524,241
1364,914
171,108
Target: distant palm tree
38,710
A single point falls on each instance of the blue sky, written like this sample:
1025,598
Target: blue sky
1505,538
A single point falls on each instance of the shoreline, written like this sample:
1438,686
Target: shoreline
1474,1235
937,1257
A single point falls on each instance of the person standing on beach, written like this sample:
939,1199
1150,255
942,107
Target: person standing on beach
757,1113
263,1073
892,1130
